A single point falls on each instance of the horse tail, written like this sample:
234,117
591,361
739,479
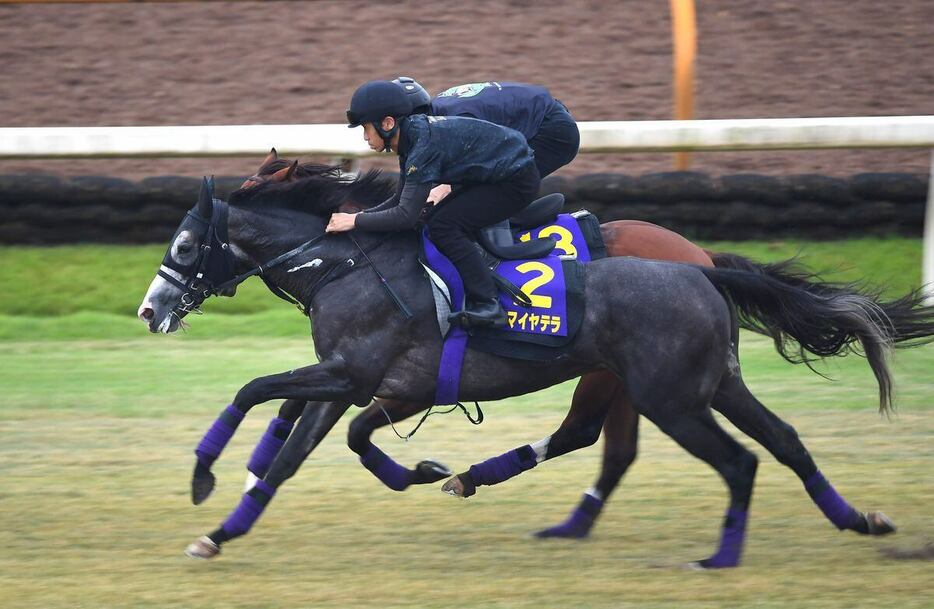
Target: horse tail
911,322
805,317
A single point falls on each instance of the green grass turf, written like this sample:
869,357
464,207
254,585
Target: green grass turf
99,420
97,453
157,376
94,291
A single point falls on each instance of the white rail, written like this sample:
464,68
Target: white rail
337,140
609,136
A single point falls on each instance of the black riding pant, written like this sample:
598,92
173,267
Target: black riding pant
454,223
557,141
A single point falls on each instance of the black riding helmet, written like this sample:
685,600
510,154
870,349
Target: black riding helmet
375,100
417,94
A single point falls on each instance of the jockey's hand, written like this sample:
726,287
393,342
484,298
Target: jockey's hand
438,192
341,222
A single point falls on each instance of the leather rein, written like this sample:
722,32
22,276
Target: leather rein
213,270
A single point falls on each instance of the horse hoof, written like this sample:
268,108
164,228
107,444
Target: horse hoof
429,471
454,487
563,531
459,486
202,549
708,565
879,523
202,484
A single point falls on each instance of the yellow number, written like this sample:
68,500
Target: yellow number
565,241
525,237
529,287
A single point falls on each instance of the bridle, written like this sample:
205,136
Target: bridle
214,265
212,272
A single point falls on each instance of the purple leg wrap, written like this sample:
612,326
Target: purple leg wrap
503,467
218,436
834,507
731,541
248,512
580,521
388,471
269,446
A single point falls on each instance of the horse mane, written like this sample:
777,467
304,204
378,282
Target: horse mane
316,189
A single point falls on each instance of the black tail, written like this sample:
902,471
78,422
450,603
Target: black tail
806,316
911,323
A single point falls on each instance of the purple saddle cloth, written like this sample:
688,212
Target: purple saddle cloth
553,284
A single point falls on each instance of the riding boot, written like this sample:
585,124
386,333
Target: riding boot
482,307
484,312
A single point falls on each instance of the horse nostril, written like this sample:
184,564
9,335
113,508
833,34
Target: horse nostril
146,314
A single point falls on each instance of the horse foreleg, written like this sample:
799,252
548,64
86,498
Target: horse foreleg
580,428
395,476
315,423
321,382
274,437
620,439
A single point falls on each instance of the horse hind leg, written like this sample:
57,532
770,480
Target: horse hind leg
620,438
381,465
736,403
698,433
579,429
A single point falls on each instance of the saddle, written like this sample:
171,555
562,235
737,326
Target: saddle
536,258
498,239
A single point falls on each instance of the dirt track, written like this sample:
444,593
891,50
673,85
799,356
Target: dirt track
285,62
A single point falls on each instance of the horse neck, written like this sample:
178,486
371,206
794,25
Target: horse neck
258,236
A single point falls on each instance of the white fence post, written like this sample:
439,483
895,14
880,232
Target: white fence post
927,264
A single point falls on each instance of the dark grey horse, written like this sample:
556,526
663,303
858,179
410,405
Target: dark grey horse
664,330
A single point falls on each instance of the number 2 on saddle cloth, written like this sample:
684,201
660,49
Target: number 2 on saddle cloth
536,329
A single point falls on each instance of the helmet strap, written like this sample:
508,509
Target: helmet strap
386,135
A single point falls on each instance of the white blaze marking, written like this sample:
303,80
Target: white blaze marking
313,264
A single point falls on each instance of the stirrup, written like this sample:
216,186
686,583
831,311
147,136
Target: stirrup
468,320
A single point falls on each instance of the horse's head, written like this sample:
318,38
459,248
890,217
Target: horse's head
196,265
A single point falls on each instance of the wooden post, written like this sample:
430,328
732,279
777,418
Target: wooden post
684,35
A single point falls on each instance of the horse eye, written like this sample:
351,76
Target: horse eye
184,248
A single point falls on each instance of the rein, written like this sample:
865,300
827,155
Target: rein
208,275
405,438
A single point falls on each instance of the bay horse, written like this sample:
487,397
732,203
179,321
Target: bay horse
666,336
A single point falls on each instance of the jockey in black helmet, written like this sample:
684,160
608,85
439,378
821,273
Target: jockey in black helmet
493,167
545,122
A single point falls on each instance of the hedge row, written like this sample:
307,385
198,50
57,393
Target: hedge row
44,209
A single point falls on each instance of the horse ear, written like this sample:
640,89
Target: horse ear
205,198
285,174
272,156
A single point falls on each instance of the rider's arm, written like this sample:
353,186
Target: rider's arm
419,170
397,217
391,201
